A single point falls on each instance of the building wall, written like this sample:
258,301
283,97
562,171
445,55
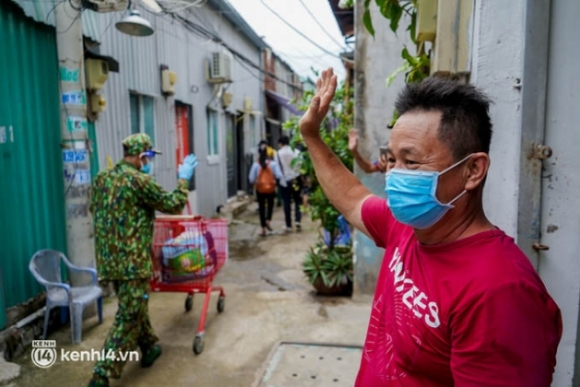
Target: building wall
185,53
269,63
375,59
285,72
496,66
559,267
523,61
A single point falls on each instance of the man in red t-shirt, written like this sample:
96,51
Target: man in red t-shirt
457,303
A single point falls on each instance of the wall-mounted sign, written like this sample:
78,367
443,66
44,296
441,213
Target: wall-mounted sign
6,134
76,97
82,176
75,124
68,75
73,156
78,176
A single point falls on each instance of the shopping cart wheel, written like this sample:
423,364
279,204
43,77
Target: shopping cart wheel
198,345
188,303
221,305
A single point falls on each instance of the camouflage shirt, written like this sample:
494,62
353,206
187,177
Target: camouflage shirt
123,204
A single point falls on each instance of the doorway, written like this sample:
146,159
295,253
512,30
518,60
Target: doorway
184,140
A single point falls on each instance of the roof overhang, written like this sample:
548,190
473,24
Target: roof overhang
112,62
344,18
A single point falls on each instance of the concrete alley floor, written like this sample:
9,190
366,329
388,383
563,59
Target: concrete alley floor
268,300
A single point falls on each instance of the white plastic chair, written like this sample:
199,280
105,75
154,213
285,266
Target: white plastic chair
45,267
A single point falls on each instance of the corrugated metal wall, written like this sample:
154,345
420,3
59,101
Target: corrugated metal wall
31,184
42,11
185,53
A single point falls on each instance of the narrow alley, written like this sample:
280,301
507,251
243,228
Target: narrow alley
268,300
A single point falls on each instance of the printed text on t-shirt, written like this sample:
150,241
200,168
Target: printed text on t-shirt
413,298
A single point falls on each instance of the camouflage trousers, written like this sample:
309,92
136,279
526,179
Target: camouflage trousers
131,328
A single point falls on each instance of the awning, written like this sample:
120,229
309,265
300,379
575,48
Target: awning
285,102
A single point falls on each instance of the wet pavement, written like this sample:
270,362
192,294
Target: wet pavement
268,301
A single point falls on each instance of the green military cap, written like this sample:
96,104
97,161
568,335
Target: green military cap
139,143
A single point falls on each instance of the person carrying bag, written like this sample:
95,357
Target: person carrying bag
263,175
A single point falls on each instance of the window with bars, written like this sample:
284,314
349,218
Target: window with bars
212,133
142,115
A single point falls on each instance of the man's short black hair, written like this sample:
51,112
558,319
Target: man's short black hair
284,140
465,123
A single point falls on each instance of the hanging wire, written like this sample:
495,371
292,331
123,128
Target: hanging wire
56,4
320,25
298,31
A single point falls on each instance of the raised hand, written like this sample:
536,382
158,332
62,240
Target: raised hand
382,164
353,140
325,89
185,170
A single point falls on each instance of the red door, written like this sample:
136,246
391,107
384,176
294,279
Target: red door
182,132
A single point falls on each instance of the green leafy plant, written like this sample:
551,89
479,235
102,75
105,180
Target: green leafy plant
334,133
415,67
333,266
346,4
332,263
392,10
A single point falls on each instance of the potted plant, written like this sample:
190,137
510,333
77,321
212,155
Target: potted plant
329,270
328,265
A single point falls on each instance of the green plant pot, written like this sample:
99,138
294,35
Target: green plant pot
344,290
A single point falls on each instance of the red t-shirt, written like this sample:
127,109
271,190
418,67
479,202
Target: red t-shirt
472,312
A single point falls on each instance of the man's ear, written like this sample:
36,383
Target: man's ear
477,167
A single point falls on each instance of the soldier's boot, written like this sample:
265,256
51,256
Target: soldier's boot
150,356
98,381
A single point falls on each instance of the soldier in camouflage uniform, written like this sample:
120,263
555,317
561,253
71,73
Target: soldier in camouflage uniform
123,204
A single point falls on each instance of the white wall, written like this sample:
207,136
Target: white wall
496,65
375,59
525,40
560,218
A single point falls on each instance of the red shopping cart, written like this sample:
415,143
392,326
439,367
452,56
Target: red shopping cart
188,252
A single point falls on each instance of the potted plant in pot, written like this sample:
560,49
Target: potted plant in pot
328,265
329,270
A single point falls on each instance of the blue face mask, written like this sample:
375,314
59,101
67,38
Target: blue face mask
146,168
411,196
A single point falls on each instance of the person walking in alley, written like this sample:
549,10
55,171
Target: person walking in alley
456,301
290,183
263,175
367,166
271,152
123,204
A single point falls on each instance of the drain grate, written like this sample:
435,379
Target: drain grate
310,365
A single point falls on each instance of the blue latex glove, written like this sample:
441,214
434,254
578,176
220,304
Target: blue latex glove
185,170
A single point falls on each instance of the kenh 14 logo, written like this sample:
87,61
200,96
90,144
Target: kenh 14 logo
43,353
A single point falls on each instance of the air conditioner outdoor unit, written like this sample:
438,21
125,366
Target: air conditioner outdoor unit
107,5
221,67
